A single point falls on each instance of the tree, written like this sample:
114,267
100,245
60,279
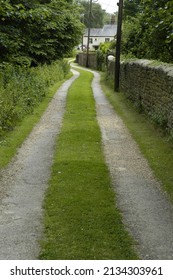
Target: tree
97,13
148,29
33,32
131,8
110,18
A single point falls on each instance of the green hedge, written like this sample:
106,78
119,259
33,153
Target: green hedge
21,89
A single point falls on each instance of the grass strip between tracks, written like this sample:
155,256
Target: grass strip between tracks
81,220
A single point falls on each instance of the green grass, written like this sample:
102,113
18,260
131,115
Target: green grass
80,216
12,140
155,146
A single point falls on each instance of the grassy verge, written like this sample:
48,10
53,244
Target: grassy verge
81,220
14,139
154,145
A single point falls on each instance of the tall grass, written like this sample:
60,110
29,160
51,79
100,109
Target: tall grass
22,89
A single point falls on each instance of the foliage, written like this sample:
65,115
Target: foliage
100,59
33,32
97,17
131,8
148,29
102,52
110,18
21,89
107,47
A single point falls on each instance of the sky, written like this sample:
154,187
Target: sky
109,5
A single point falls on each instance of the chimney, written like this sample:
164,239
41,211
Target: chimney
112,19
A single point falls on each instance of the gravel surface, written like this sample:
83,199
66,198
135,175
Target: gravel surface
146,211
24,182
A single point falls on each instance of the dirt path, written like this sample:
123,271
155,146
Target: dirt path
24,183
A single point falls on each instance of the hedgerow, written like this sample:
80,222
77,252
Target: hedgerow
21,89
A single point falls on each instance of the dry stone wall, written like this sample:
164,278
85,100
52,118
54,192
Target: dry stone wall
150,88
147,85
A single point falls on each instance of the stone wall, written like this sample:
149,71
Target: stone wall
92,60
150,88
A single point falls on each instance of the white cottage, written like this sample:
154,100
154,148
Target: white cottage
100,35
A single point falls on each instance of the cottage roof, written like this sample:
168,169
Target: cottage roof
109,30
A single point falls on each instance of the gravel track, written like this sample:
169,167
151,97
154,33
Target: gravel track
24,182
146,211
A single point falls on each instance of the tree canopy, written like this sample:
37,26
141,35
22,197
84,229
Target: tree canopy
148,29
97,15
38,31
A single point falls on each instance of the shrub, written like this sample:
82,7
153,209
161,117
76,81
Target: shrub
22,88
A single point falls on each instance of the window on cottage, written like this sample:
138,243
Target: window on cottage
107,39
91,40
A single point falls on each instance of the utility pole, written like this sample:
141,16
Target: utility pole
82,19
118,46
89,28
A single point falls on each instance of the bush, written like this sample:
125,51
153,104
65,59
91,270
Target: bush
147,33
22,88
102,52
100,60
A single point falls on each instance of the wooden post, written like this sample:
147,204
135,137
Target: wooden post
118,46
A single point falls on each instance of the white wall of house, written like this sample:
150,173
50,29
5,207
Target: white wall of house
95,41
99,35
